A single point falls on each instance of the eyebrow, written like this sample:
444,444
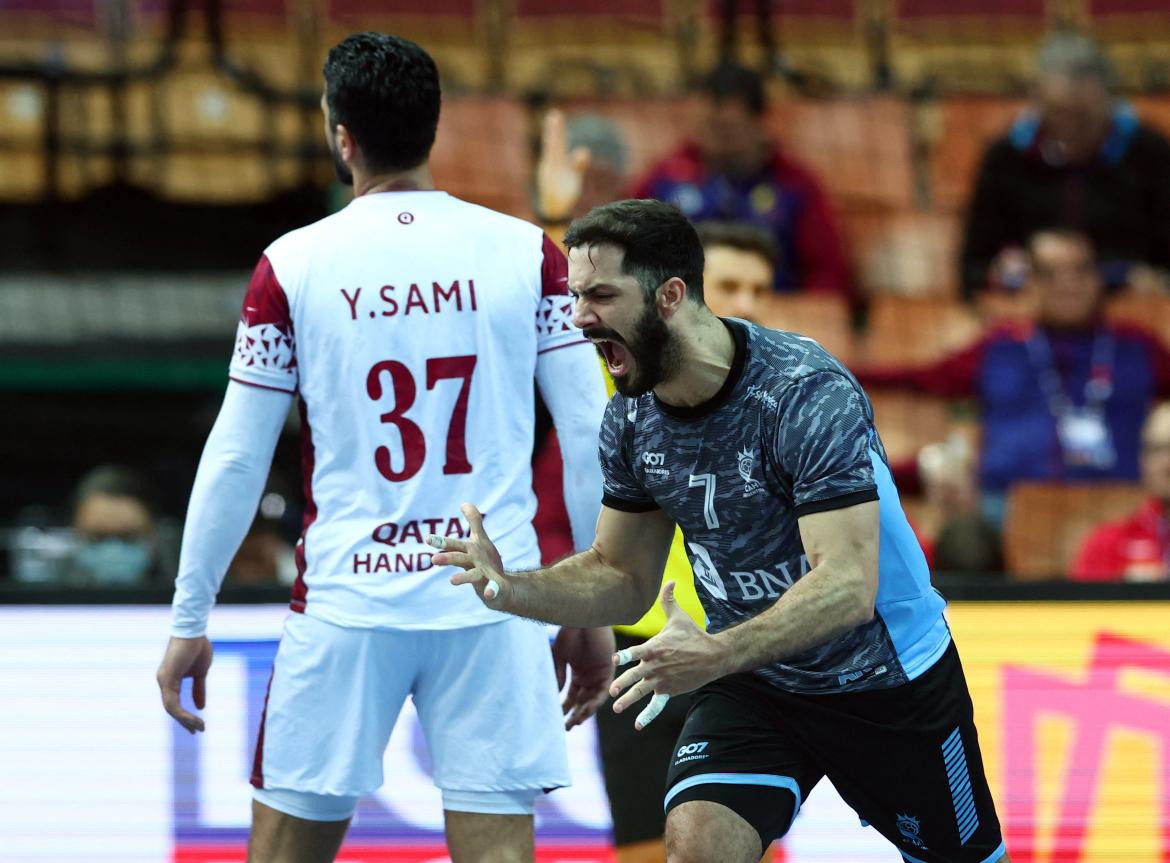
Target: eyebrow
592,289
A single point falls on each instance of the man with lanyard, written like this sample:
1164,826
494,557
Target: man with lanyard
1061,398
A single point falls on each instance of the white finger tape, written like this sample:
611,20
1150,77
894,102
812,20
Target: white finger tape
492,590
436,541
652,710
625,655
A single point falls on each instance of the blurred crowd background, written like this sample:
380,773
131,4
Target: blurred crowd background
966,200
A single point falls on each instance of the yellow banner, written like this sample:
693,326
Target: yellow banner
1072,702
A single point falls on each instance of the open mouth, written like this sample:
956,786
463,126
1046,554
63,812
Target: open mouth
617,358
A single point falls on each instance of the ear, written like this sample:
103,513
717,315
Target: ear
670,296
347,146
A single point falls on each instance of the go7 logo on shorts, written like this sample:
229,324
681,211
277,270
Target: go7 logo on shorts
691,749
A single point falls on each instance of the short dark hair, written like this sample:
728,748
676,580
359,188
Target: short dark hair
730,80
743,236
385,90
115,481
658,240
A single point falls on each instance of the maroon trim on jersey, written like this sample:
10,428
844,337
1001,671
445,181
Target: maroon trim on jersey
566,345
261,386
258,759
265,301
300,591
554,270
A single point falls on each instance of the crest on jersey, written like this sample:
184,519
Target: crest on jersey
908,826
747,462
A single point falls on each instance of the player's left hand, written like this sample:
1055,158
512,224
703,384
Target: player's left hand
478,557
678,659
588,655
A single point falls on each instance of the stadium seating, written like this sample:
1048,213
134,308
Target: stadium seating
824,318
907,422
913,330
1149,313
1046,522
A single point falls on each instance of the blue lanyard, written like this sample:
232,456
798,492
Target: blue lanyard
1098,385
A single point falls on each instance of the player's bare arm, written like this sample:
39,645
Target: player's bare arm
613,582
836,595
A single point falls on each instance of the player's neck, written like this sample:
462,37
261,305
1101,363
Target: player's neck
416,179
707,354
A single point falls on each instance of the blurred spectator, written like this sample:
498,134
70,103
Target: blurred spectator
582,165
265,557
1078,158
1061,398
734,170
114,525
1136,548
737,273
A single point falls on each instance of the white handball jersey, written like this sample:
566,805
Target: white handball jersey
409,324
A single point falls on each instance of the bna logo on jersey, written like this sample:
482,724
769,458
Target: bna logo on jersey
747,462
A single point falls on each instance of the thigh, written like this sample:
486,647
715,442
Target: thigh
908,760
474,837
634,765
332,702
489,708
736,751
700,831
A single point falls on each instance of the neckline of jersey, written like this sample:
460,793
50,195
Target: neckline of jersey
397,194
739,335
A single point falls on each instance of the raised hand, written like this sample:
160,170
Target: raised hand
678,659
478,557
559,173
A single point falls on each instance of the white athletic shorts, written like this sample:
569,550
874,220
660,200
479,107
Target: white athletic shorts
486,698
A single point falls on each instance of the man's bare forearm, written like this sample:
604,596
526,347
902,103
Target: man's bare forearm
582,590
818,607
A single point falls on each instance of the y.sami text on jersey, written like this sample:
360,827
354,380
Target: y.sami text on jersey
390,300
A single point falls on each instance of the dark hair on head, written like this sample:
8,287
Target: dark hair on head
743,236
385,90
730,80
115,481
658,240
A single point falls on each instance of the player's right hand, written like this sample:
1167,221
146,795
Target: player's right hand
477,557
185,657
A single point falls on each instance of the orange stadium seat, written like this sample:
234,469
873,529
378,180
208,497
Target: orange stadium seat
956,132
914,330
1046,522
857,147
824,318
907,422
481,153
904,252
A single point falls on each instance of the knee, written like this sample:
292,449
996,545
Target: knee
703,832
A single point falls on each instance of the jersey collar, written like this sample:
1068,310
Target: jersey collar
739,334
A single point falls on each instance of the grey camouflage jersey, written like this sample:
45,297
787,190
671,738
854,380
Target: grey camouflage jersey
790,433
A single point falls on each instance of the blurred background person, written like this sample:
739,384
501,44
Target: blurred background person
734,170
739,261
1079,158
1136,548
1063,397
114,521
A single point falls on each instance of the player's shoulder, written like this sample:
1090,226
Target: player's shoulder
779,361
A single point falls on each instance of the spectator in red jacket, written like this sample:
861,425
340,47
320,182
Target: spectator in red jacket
734,171
1136,548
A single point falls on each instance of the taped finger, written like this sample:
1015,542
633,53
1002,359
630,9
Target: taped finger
657,703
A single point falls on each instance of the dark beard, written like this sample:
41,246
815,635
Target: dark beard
344,174
655,353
